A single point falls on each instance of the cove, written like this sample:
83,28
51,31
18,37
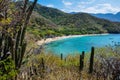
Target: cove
84,43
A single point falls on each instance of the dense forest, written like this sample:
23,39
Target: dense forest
54,22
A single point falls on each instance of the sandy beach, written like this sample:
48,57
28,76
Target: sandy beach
48,40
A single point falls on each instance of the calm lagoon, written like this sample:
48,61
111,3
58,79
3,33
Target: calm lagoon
84,43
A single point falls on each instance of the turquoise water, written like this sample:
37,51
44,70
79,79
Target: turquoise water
79,44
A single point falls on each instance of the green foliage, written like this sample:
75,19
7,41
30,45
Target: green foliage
52,14
12,42
7,69
48,20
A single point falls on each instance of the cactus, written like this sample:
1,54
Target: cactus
91,60
82,61
61,56
5,46
20,47
42,63
16,45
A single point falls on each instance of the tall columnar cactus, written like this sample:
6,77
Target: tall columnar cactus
42,63
91,60
82,61
4,46
16,45
20,47
61,56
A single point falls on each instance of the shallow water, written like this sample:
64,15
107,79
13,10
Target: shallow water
79,44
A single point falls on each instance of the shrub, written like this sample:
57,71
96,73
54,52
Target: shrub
7,69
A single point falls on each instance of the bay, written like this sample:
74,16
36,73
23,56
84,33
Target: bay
78,44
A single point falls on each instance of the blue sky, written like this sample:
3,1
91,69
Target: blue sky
89,6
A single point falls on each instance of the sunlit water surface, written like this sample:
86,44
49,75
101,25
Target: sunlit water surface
79,44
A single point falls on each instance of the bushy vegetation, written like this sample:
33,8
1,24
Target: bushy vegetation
14,18
17,61
7,69
51,67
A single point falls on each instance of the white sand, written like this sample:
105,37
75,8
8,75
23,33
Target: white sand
48,40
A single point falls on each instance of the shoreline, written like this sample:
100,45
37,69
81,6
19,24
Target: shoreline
48,40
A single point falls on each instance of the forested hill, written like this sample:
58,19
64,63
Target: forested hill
51,21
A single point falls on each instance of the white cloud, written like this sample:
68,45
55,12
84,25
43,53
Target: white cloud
87,2
90,7
101,8
66,3
50,5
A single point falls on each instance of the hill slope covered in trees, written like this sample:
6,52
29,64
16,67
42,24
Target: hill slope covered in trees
50,21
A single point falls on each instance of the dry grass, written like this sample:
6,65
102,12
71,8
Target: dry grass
68,69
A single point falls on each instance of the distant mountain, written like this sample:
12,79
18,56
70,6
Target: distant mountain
73,12
109,16
46,20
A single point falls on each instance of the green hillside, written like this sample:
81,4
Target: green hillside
51,13
40,26
85,23
49,22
